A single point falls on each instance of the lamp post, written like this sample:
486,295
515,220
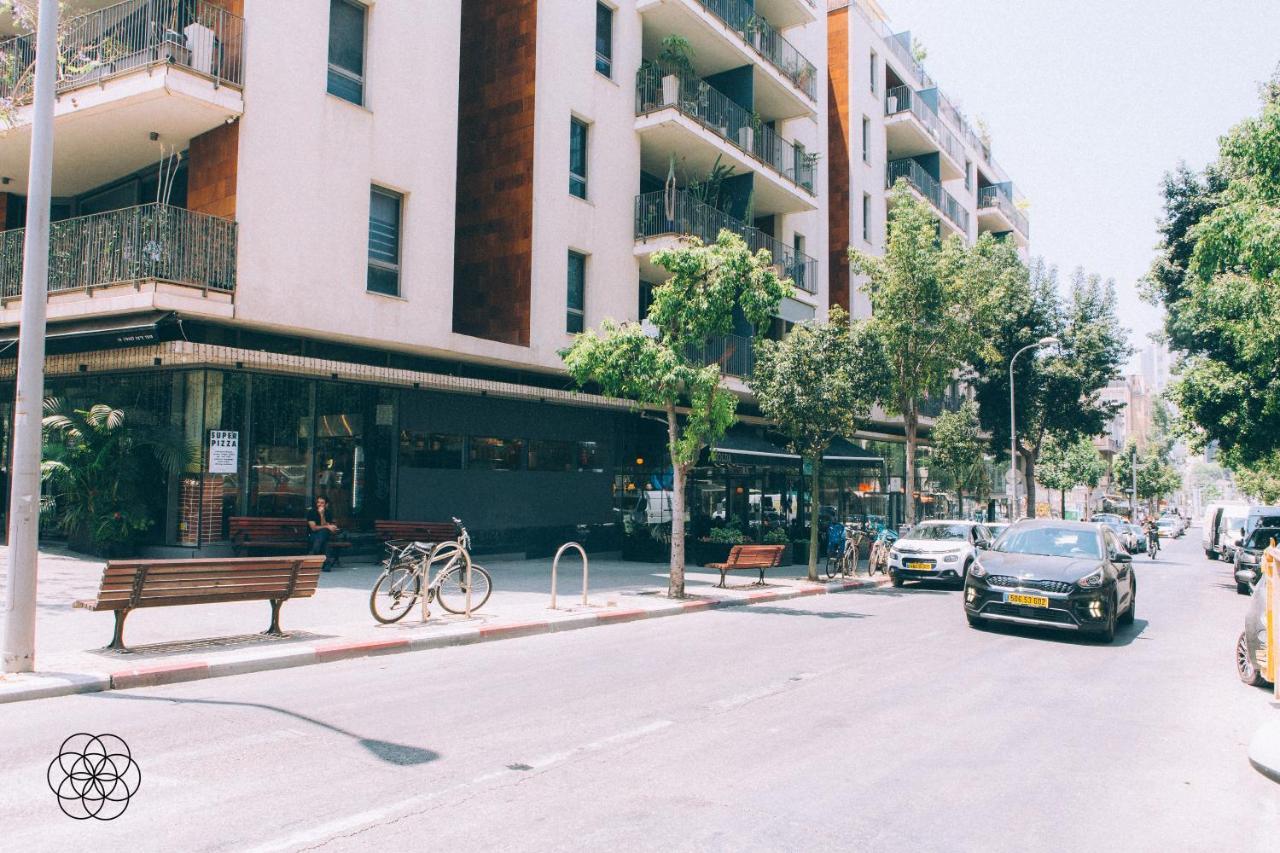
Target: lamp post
1013,427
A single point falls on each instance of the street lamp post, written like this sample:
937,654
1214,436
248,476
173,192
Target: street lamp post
1013,427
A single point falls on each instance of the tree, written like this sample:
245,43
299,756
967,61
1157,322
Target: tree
17,56
708,284
1261,480
958,447
1218,277
1063,465
1156,476
1059,392
930,303
818,384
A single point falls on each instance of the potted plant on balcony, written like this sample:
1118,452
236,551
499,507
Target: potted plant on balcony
754,31
676,61
747,133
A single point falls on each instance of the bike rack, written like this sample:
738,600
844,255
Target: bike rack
556,563
431,559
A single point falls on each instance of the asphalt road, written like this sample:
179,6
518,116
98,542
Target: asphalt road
861,721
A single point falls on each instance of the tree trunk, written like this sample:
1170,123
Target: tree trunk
1062,493
960,498
1029,470
676,587
813,518
909,428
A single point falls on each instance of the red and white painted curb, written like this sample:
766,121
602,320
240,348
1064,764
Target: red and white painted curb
38,686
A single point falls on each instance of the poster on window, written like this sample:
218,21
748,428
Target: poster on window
224,451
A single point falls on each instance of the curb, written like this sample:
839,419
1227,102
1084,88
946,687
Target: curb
1264,751
26,687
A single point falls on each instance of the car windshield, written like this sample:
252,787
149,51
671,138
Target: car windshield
1261,538
939,531
1051,542
1233,523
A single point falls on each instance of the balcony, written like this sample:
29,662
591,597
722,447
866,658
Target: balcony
147,257
954,216
998,213
913,128
680,112
682,215
736,354
728,34
170,67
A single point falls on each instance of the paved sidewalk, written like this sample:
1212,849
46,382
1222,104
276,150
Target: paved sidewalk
173,644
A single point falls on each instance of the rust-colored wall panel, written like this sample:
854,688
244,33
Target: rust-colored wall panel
235,7
212,170
493,242
4,211
838,188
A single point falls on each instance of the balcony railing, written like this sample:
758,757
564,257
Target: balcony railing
901,99
194,34
153,241
695,98
739,15
736,354
687,216
993,196
925,184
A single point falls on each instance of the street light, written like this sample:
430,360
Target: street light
1013,428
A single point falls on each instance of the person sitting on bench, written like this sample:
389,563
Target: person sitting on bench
321,529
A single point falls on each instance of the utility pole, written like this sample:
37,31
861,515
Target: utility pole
19,650
1133,492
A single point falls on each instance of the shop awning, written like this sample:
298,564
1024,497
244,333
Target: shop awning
747,441
850,454
108,333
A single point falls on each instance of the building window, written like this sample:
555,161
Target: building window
430,450
577,158
346,50
545,455
866,139
874,75
494,454
604,40
866,217
797,270
968,174
384,241
575,314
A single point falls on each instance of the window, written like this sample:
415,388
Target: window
430,450
546,455
866,217
575,313
797,272
495,454
873,72
866,139
604,40
384,241
968,174
577,158
346,50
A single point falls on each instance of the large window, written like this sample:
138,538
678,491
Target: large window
866,139
430,450
550,455
604,40
575,309
577,158
866,217
384,241
346,50
495,454
873,75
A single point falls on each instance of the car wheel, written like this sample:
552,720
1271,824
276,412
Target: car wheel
974,621
1208,555
1243,588
1127,618
896,579
1245,667
1108,634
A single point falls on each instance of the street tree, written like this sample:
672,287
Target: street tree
818,384
1157,478
959,447
1260,480
696,304
1065,464
930,303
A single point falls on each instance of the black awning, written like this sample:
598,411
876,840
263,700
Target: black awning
748,441
850,454
81,335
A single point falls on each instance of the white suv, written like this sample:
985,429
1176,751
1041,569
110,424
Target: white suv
937,550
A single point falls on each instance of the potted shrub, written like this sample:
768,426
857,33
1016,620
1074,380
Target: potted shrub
747,133
676,60
715,548
779,536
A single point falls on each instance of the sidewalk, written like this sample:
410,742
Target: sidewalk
172,644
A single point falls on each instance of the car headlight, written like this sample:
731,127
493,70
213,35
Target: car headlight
977,570
1093,580
951,558
893,554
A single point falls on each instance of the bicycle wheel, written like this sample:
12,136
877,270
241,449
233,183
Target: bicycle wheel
833,564
451,590
395,593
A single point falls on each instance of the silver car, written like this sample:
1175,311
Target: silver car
1251,646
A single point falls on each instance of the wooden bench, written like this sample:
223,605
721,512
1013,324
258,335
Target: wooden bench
250,534
416,531
130,584
749,557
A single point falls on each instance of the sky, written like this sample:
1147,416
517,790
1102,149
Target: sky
1090,102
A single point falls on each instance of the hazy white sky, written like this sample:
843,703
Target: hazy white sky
1089,102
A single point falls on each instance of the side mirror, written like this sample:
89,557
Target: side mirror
983,544
1122,557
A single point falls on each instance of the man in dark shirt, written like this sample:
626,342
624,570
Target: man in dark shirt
321,529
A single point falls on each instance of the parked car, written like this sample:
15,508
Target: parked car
1069,575
1108,518
1211,529
995,528
1169,528
1251,645
937,550
1248,559
1121,529
1139,539
1230,532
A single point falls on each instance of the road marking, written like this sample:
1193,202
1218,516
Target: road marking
325,832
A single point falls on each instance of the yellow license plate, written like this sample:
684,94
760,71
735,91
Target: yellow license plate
1028,600
924,566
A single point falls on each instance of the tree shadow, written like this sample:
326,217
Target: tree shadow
401,755
1125,634
785,611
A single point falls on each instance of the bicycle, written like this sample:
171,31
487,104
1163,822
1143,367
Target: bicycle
846,562
878,560
399,586
1153,545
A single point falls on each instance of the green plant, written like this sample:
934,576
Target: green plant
777,536
709,190
726,536
676,55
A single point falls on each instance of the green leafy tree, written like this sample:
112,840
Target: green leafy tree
1063,465
930,303
818,384
959,447
1157,478
708,284
1261,480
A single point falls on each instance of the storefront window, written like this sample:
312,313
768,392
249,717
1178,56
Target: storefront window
281,458
430,450
495,454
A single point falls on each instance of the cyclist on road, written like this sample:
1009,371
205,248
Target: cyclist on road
1153,537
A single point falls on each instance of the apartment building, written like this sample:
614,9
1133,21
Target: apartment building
343,243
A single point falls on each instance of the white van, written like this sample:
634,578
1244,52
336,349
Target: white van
1210,532
1235,527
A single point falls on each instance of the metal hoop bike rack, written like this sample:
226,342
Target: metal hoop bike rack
556,563
451,549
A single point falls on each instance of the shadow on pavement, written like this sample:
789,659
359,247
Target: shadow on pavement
775,610
1125,634
235,641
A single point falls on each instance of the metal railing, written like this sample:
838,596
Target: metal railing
740,16
135,34
736,354
695,98
901,99
994,196
152,241
928,187
687,216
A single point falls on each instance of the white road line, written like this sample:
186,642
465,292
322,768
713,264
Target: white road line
410,805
